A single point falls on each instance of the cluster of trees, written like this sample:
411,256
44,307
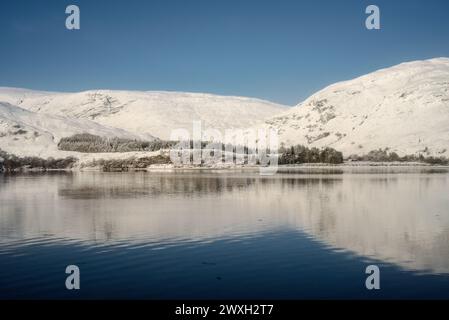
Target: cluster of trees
10,163
130,163
300,154
195,144
383,155
89,143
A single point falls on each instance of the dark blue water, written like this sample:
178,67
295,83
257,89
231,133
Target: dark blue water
225,235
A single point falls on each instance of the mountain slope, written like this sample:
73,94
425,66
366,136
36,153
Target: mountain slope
404,108
26,133
156,113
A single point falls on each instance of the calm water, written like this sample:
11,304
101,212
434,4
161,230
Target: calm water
298,234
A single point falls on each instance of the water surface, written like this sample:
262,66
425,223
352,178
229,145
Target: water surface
302,233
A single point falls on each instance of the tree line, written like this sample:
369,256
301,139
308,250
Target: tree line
300,154
10,162
89,143
383,155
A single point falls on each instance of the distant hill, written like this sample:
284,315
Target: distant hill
27,133
404,108
154,113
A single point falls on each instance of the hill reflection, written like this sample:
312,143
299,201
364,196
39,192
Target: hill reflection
400,218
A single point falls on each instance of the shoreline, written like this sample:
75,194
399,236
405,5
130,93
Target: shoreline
171,168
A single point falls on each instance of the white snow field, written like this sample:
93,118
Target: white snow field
155,113
404,108
26,133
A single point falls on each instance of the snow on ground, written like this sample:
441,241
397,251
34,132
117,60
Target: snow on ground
26,133
404,108
153,112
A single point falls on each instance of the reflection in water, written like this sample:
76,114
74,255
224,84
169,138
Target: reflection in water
401,218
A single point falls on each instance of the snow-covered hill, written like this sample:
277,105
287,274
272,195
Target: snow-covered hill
155,113
27,133
404,108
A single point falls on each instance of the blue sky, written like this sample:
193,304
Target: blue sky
278,50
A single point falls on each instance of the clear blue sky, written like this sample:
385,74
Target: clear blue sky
279,50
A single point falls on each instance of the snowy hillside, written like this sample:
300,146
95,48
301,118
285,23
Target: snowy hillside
155,113
404,108
26,133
